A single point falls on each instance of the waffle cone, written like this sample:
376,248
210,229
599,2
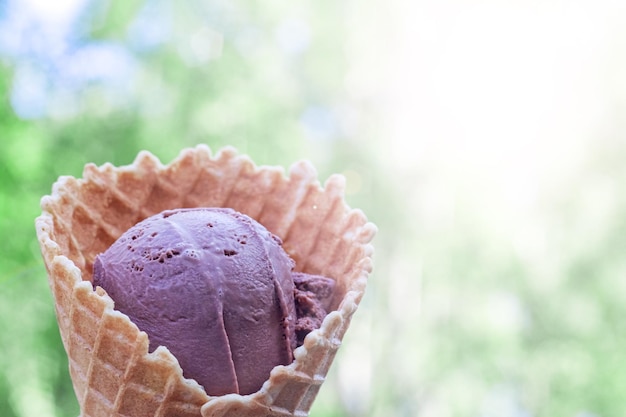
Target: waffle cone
112,371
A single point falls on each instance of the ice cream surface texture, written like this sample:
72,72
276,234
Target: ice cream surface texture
216,288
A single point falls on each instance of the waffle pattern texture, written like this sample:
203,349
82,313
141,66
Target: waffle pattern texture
112,371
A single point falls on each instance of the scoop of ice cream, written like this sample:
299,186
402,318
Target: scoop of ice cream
214,287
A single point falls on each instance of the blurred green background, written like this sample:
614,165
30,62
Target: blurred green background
485,139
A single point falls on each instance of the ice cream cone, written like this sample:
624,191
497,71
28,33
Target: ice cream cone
112,371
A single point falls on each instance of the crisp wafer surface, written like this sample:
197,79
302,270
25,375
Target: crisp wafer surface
112,372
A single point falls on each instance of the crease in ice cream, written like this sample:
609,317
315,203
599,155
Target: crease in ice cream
218,290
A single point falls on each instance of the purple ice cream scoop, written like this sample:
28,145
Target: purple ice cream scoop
217,289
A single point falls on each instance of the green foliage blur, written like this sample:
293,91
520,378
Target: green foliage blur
472,310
